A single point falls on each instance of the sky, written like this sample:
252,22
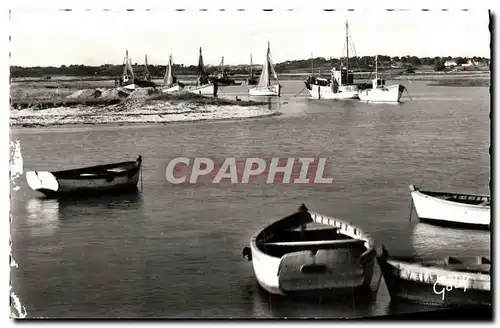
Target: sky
49,37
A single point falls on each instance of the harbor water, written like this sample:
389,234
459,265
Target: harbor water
174,251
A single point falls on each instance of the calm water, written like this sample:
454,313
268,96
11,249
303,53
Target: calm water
175,250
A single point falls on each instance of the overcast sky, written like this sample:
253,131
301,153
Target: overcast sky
47,37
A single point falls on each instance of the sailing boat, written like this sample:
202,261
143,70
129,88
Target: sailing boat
381,92
147,76
170,83
128,79
222,77
264,87
339,86
203,85
251,80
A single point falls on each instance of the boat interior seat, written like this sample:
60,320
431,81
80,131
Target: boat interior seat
278,249
309,232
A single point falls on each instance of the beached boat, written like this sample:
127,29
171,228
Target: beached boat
380,92
251,80
170,83
339,86
100,178
203,85
449,282
451,208
129,81
264,86
309,253
221,77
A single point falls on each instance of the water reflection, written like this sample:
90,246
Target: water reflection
43,216
430,240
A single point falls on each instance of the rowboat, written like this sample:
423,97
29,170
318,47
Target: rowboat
380,92
307,253
105,178
449,282
264,86
339,86
451,208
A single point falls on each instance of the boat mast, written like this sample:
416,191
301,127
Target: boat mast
376,67
347,45
251,64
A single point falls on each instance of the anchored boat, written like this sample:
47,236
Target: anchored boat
452,208
105,178
251,80
203,84
128,79
170,83
449,282
380,92
264,87
339,86
221,77
309,253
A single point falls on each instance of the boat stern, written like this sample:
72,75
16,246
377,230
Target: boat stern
44,182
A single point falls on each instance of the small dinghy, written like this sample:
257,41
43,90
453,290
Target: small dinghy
451,208
448,283
101,178
310,254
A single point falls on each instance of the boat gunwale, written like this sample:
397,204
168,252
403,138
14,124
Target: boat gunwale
434,196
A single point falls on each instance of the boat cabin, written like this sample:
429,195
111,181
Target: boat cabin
378,83
343,77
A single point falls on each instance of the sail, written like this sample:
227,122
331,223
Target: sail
202,74
267,71
130,68
147,75
169,79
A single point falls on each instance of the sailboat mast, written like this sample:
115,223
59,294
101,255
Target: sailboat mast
268,63
347,45
376,67
251,66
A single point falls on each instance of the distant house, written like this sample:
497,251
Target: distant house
450,63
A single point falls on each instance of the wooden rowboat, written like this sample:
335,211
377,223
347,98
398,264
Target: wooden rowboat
448,283
451,208
101,178
310,254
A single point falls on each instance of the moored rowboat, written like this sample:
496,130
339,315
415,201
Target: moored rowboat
308,253
110,177
446,283
451,208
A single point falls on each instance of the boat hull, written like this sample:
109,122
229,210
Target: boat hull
206,90
389,94
273,90
283,276
415,284
435,210
171,89
326,92
93,180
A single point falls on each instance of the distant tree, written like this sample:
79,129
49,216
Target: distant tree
439,64
460,61
395,59
415,61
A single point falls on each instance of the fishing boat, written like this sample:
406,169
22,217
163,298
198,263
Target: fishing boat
340,85
450,282
129,81
203,84
380,91
451,208
264,86
251,80
307,253
170,83
100,178
221,77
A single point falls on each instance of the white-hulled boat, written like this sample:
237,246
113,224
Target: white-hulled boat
203,84
128,79
339,86
380,92
170,83
451,208
308,253
264,86
95,179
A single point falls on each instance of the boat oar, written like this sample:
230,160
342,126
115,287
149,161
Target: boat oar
408,94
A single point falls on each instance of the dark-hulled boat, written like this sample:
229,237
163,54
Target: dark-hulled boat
101,178
129,81
310,254
450,283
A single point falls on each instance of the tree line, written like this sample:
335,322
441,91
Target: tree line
355,63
